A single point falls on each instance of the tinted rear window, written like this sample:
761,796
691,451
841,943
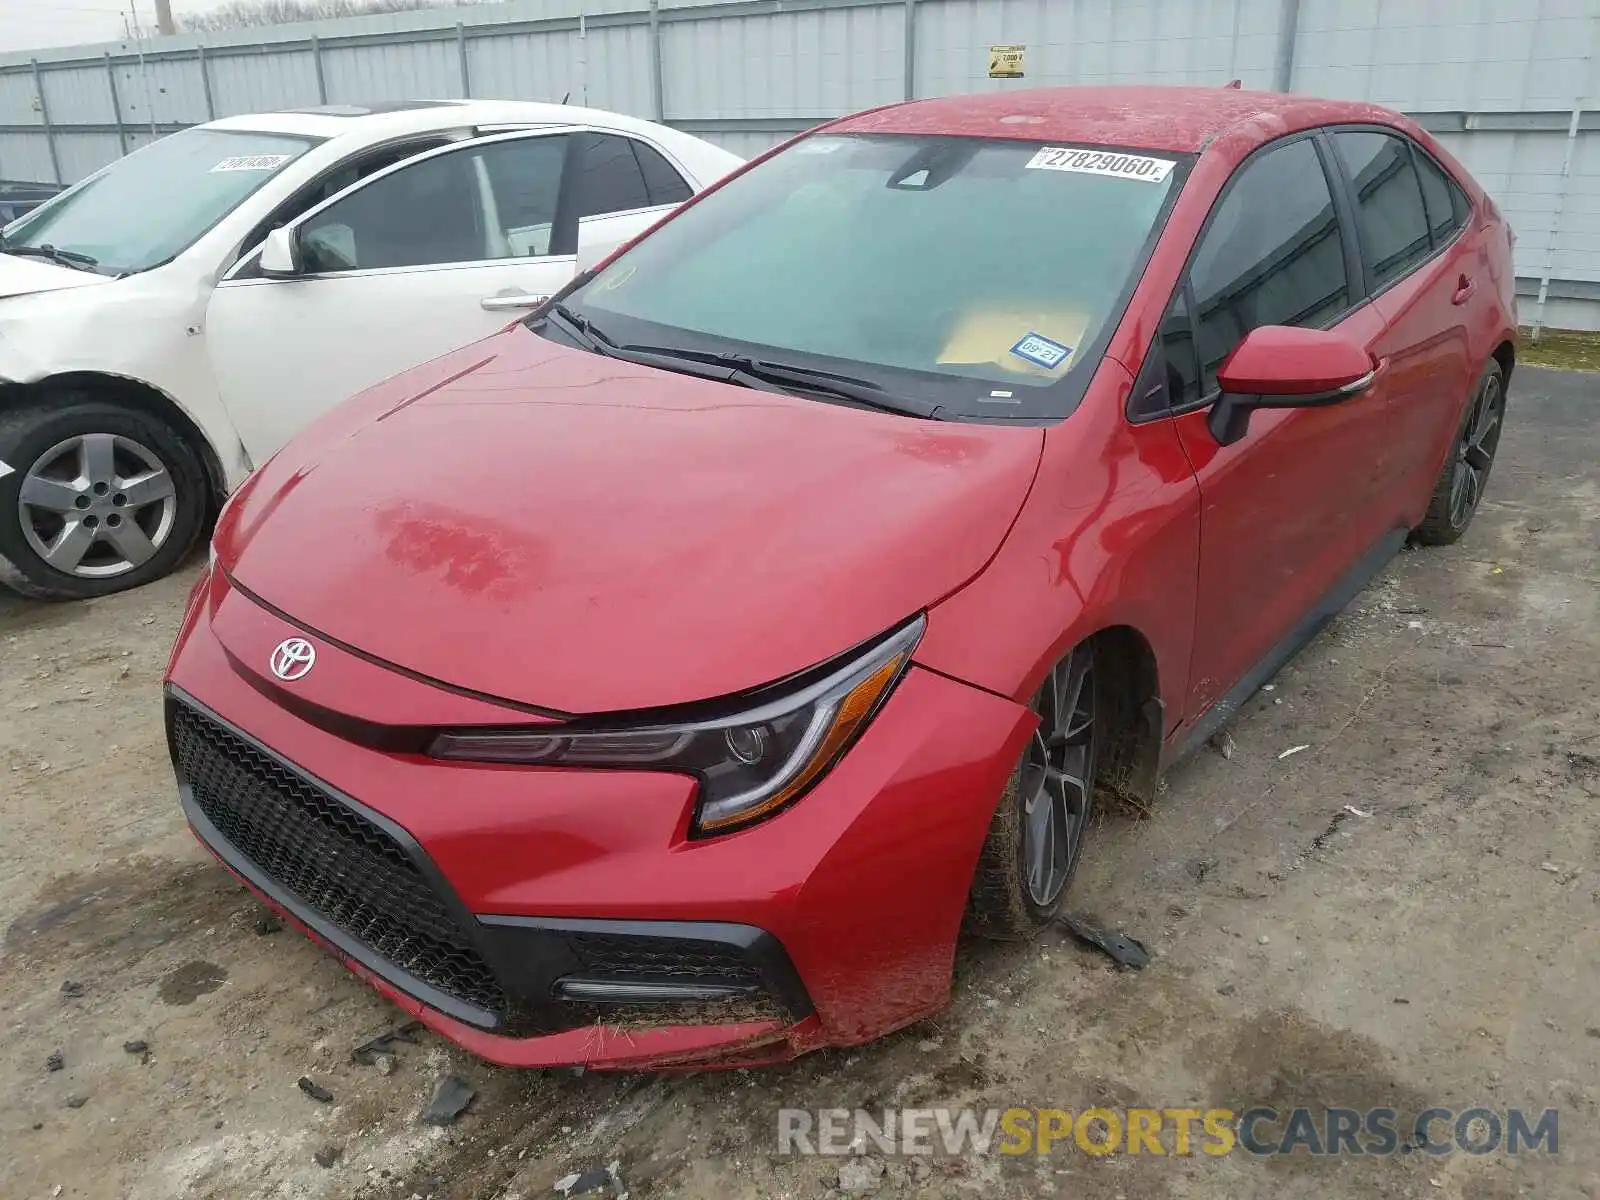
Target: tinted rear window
1389,214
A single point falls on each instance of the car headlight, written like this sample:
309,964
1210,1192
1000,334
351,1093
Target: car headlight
749,763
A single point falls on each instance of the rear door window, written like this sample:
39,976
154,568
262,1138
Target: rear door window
1445,212
1390,217
661,178
609,177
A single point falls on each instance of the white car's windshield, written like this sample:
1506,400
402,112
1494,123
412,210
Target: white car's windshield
975,273
145,208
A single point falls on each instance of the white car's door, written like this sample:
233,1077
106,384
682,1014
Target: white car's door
415,261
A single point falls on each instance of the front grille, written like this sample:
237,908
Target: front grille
662,959
328,856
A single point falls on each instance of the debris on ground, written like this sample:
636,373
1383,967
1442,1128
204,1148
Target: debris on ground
71,989
450,1099
315,1090
1320,842
76,1100
137,1046
1222,742
54,1061
1563,875
1294,750
269,923
1199,868
326,1156
368,1053
1123,949
1355,812
858,1176
1226,989
587,1183
386,1063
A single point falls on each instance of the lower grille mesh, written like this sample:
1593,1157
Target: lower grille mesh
328,856
617,956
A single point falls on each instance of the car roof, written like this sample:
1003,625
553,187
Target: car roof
373,122
1174,119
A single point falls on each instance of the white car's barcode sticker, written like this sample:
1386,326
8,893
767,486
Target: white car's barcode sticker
1101,162
252,162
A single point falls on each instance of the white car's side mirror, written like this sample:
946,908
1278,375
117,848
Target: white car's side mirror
280,257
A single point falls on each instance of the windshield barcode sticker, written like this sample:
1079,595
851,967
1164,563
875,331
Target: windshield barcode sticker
1101,162
252,162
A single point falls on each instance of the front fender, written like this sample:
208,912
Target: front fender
145,332
1108,537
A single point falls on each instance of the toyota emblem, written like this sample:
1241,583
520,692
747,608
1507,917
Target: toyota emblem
292,658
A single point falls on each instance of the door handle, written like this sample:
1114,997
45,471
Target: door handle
1464,289
506,302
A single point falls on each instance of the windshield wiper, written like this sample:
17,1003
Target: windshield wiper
66,258
738,368
580,327
791,375
582,330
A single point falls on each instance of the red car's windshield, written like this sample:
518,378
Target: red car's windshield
985,267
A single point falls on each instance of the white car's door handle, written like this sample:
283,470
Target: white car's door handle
508,301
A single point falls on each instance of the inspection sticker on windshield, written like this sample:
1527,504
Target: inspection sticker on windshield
1101,162
252,162
1038,349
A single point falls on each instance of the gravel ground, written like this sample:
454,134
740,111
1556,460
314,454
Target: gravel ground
1439,946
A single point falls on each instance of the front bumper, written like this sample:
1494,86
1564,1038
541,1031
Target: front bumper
553,917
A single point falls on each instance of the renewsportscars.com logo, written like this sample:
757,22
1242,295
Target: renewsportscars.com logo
1261,1131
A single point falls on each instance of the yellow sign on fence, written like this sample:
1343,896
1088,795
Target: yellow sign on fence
1005,62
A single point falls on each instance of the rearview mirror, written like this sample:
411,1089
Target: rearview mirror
1280,366
280,255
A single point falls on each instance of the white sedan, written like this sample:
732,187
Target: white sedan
169,322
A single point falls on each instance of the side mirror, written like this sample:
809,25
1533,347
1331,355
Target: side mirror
1279,366
280,255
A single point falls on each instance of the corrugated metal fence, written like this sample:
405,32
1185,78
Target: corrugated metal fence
1505,83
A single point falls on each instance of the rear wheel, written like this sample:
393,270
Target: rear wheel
1460,485
98,498
1039,827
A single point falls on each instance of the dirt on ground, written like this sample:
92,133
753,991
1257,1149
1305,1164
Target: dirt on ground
1406,912
1568,350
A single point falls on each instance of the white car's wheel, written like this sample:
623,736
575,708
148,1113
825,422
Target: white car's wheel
96,498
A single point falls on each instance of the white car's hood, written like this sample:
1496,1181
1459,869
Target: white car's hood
22,276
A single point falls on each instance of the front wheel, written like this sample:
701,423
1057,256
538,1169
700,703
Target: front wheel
1037,835
1460,484
97,499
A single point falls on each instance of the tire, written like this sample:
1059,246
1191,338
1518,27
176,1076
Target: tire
99,498
1010,900
1459,487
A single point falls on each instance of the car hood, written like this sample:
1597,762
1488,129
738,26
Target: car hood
24,276
550,527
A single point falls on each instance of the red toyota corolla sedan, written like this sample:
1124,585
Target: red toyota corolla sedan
666,679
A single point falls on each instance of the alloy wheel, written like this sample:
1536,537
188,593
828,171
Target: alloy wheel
1058,777
97,505
1475,451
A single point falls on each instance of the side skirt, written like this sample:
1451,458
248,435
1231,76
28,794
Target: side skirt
1328,607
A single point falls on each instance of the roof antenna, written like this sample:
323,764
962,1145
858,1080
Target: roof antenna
1235,84
567,97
